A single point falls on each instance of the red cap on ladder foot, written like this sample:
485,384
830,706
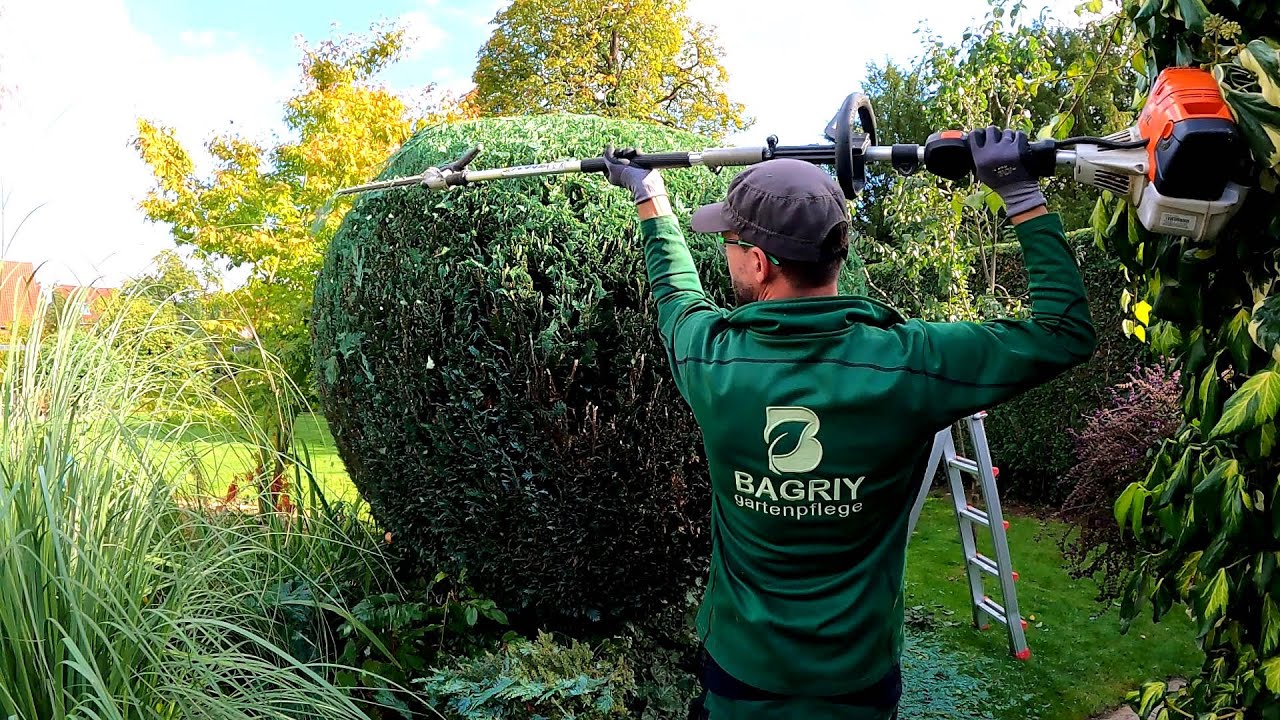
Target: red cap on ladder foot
1015,576
1024,624
1024,655
1006,524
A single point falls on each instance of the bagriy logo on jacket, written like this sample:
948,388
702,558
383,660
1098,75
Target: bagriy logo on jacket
807,453
792,448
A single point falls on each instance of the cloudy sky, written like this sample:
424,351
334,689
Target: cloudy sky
76,74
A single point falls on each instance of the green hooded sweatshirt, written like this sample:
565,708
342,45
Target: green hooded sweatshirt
817,416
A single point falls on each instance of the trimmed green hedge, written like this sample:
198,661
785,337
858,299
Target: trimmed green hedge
489,362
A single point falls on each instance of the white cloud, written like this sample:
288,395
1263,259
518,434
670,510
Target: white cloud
793,63
481,14
423,34
83,75
199,39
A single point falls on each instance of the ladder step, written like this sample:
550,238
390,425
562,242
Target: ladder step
966,465
987,565
975,515
996,610
993,609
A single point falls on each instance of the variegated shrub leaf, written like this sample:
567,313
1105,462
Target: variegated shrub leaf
1264,326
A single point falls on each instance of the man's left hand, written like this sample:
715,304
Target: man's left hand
644,183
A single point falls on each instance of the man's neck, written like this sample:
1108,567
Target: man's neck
786,292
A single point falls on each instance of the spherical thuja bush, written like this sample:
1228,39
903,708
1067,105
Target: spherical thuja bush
489,363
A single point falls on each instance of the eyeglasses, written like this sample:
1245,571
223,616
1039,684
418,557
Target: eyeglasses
743,243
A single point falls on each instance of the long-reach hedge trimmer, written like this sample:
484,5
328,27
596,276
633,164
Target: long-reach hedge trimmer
1182,165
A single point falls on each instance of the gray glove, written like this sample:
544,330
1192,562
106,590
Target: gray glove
644,183
997,161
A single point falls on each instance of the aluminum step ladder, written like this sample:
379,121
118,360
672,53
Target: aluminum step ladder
968,516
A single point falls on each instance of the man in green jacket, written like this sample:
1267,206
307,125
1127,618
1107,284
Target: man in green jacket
817,412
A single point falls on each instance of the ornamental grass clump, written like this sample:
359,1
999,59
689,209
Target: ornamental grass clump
119,598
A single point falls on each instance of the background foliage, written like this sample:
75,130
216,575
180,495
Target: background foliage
1031,436
270,211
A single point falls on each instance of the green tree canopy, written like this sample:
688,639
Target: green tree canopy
636,59
1032,73
194,291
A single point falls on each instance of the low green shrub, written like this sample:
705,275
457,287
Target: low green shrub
663,651
534,680
392,639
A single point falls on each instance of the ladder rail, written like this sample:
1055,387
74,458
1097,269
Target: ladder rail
999,538
935,456
968,540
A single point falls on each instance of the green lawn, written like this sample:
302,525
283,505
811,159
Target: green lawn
1080,666
1080,663
221,457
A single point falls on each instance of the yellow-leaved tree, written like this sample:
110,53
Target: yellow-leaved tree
640,59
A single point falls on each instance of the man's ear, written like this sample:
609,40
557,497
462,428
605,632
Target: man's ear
764,270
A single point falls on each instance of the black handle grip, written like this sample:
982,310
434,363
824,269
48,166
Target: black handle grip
644,160
659,160
1041,158
946,154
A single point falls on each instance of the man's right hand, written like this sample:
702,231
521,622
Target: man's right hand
998,163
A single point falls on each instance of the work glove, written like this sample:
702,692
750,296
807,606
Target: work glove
644,183
997,161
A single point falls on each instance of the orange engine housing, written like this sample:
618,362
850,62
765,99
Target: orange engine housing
1193,143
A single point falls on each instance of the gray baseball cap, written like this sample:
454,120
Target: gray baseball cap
785,207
